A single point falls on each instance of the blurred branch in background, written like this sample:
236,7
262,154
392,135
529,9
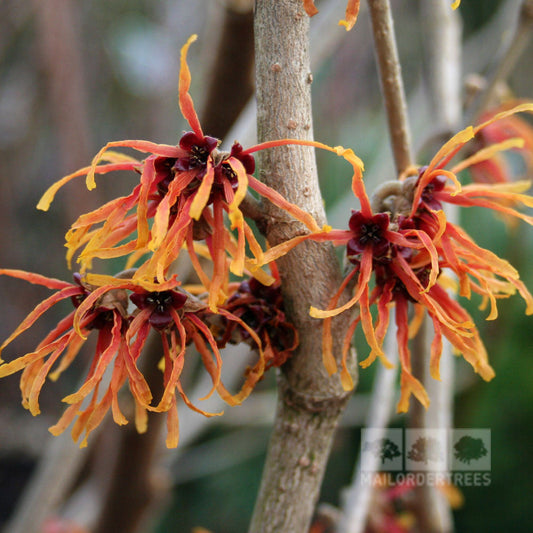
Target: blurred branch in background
391,83
357,497
58,45
443,46
505,62
230,76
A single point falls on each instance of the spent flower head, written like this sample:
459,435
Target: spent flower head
261,308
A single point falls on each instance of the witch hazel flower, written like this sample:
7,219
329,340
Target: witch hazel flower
124,313
183,320
512,131
403,242
95,308
185,192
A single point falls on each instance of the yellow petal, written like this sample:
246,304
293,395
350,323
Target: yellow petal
204,191
488,152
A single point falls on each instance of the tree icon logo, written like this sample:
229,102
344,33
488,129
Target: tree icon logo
426,449
468,449
383,448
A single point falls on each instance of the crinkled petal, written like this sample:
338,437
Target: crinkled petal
185,100
48,197
203,193
352,11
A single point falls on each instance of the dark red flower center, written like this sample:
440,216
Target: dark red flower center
164,173
368,232
160,303
198,150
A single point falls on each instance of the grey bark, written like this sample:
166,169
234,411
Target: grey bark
310,402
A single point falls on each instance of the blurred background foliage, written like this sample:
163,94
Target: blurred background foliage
74,75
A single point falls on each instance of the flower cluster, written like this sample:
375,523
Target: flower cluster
183,195
407,245
401,250
123,312
511,132
182,198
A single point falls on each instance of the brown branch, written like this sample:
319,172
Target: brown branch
310,402
391,82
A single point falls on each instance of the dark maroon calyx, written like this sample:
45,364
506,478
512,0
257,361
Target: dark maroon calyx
198,151
161,304
247,160
164,173
368,232
77,299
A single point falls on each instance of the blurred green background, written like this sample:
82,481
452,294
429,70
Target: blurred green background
74,75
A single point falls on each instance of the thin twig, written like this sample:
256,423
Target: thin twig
426,505
391,82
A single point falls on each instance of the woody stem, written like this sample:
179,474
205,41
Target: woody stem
310,402
391,82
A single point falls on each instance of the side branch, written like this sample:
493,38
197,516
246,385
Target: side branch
391,82
310,401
